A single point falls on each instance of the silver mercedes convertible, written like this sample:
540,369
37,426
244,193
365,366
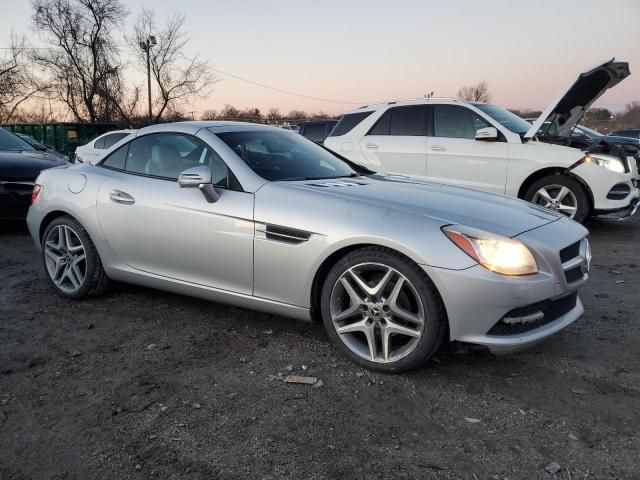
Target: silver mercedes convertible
262,218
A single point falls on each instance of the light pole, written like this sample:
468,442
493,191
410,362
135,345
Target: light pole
146,46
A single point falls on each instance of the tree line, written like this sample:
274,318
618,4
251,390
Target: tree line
80,69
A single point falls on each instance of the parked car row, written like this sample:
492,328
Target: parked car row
362,234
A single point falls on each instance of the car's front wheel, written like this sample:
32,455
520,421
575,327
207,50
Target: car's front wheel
71,259
382,311
562,194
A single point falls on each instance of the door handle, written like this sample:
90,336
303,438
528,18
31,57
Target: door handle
438,148
371,145
118,196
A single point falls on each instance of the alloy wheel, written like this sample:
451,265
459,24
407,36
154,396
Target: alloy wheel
377,312
65,258
558,198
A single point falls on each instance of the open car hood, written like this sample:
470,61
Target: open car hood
565,112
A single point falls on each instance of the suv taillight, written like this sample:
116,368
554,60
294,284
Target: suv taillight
36,191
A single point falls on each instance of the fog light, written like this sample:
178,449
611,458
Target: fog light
532,317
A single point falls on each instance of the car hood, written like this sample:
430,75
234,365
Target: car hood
452,205
617,139
26,165
565,112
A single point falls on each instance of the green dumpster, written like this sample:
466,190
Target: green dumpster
63,137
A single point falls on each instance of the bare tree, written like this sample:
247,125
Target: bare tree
82,64
178,78
475,93
297,116
274,116
229,112
210,115
17,82
630,117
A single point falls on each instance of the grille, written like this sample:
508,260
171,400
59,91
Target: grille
572,251
574,259
552,310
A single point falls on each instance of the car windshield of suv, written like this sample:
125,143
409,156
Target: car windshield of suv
12,143
285,156
505,118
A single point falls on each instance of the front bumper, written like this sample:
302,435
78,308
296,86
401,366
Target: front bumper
603,183
478,300
622,213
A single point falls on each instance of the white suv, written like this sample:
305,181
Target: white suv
488,148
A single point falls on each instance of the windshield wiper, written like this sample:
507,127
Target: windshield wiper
349,175
297,179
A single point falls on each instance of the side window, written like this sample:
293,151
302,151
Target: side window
114,138
408,121
99,144
382,125
315,132
401,121
116,159
166,155
454,121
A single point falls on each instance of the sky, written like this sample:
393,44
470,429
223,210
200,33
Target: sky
356,52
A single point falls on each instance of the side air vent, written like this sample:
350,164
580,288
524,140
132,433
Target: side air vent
285,234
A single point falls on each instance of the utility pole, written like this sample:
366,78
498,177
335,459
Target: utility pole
146,46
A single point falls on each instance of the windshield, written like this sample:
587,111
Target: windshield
505,118
588,131
281,156
11,142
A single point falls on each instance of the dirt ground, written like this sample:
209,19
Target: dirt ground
140,384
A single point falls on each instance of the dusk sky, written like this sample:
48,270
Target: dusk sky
366,51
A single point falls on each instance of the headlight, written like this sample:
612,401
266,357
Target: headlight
614,164
497,253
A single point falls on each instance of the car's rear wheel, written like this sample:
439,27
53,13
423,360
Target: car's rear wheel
71,259
562,194
382,311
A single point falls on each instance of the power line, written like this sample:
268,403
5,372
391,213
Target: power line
310,97
246,80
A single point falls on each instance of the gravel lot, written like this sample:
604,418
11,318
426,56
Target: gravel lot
141,383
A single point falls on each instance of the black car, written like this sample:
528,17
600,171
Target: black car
20,165
41,147
633,133
317,130
582,137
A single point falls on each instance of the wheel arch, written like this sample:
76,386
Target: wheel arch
50,217
334,257
549,171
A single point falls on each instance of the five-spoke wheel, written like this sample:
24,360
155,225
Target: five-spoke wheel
562,194
377,312
71,259
65,258
382,310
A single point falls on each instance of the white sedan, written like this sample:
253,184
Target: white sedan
98,148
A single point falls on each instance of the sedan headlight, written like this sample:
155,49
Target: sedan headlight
497,253
609,162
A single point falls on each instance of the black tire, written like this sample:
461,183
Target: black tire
583,207
435,321
95,281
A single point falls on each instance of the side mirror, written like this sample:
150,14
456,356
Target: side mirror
199,177
487,133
